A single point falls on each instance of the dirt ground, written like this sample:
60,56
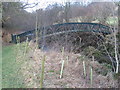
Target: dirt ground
6,36
73,73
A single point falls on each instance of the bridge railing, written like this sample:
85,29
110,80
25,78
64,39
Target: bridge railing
63,29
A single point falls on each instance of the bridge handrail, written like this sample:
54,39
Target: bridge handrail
69,31
57,25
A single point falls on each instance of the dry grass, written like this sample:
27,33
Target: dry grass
73,76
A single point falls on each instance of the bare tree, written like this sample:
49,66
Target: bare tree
103,11
114,57
116,44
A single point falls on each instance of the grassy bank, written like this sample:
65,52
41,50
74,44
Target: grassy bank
10,76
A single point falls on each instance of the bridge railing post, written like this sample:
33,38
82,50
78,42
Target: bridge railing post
14,40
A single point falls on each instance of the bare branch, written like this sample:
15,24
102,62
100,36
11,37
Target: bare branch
29,5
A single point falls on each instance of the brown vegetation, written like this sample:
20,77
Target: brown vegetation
73,76
6,36
79,47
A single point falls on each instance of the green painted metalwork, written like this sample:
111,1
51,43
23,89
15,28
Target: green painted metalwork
66,28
